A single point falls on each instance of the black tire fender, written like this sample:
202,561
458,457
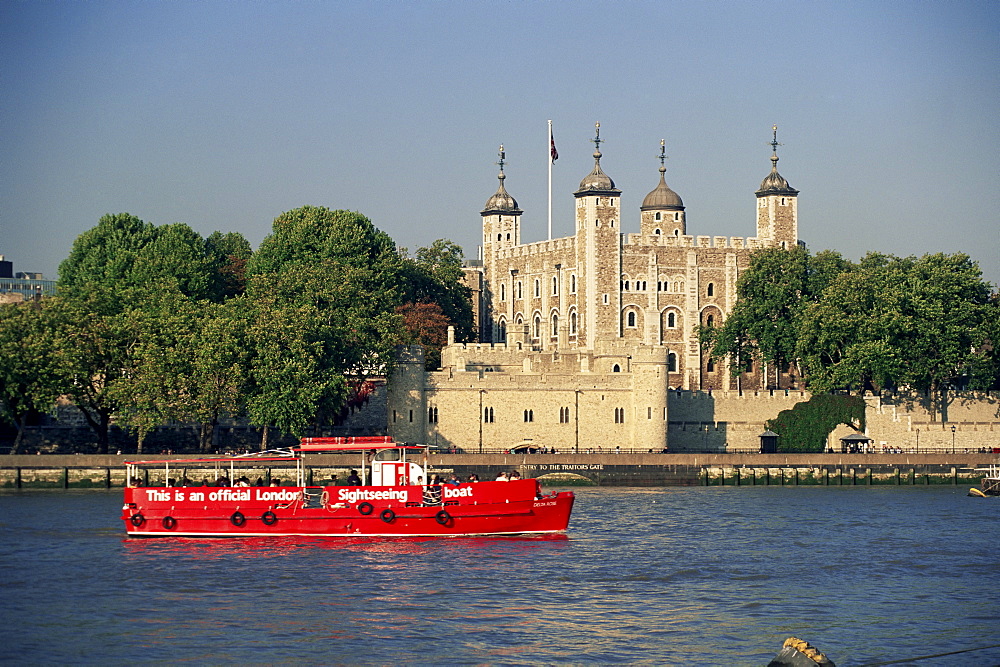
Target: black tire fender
237,519
442,517
269,518
137,519
388,515
169,522
366,508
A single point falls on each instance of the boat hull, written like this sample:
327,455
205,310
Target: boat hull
486,508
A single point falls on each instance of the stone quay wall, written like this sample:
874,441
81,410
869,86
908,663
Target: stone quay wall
642,470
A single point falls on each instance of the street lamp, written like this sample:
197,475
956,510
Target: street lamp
953,439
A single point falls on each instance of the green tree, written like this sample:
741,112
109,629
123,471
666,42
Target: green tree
435,275
175,255
122,251
158,328
31,372
106,254
324,286
919,322
772,295
220,367
229,254
94,340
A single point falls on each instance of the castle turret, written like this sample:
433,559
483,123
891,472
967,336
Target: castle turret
501,217
501,231
662,209
598,216
777,206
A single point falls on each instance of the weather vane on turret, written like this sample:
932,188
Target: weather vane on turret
663,156
502,155
774,141
597,141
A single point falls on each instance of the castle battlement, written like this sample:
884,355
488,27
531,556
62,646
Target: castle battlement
670,241
443,380
729,395
538,248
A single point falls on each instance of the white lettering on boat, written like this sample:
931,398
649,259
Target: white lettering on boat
232,495
354,495
283,496
454,492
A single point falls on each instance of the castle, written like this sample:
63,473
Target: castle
582,338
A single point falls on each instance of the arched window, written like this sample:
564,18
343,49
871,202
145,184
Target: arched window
710,367
499,237
710,321
572,323
572,283
508,236
677,232
657,231
631,319
529,415
537,329
657,217
488,415
711,289
538,288
616,369
555,325
520,294
555,285
619,415
503,292
671,320
672,362
502,332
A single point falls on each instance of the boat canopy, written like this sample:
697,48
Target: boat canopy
216,459
354,444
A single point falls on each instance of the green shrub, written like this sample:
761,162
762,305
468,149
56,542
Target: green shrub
806,426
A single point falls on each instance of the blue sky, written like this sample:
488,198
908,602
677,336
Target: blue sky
223,115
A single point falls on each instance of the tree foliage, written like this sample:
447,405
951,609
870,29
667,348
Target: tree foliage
31,373
324,285
122,251
425,324
155,324
920,322
923,322
435,275
772,295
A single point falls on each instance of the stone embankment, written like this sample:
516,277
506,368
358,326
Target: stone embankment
95,471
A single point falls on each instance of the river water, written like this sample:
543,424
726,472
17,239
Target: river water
665,576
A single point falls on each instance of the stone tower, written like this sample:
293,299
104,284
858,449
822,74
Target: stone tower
777,206
501,231
662,211
598,253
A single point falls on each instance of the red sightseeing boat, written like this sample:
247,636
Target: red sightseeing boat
393,499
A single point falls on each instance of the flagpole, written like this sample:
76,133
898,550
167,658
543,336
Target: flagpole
548,151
